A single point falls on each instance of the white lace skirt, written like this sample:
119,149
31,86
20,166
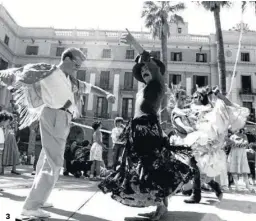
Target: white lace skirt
207,142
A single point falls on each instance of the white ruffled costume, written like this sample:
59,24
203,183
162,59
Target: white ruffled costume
211,127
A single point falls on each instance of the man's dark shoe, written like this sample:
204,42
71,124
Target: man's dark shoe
187,192
216,188
66,173
193,199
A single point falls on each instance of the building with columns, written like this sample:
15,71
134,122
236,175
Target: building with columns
192,59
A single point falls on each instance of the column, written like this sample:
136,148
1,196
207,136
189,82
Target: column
90,97
116,92
188,84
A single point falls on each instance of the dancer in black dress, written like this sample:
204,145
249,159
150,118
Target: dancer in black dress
149,170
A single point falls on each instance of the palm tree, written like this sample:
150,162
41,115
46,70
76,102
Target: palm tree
158,16
215,7
246,3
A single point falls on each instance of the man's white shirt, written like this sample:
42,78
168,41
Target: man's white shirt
57,90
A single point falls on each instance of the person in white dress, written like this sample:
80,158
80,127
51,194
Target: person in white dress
96,151
237,159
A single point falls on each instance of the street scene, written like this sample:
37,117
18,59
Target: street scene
79,199
127,110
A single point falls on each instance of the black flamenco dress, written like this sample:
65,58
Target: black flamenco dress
149,170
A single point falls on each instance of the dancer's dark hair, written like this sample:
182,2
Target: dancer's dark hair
96,125
5,115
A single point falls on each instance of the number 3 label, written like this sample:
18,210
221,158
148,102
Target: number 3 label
7,215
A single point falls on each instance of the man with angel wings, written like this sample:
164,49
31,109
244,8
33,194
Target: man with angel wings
52,95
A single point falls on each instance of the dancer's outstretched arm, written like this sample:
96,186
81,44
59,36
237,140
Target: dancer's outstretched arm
217,93
130,40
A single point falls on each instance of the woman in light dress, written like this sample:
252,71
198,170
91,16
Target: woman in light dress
11,152
237,159
96,151
211,122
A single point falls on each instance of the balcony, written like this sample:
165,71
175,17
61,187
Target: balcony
102,115
247,94
106,87
125,88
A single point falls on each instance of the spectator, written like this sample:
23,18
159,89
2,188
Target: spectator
118,145
11,152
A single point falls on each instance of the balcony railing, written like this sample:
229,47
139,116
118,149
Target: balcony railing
125,88
247,91
102,115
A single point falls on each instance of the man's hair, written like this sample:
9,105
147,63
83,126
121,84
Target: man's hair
71,53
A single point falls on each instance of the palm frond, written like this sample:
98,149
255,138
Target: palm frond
176,19
243,6
177,7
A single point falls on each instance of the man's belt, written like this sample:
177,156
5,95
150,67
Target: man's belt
66,110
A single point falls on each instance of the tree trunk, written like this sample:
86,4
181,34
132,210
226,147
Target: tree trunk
220,52
164,113
32,137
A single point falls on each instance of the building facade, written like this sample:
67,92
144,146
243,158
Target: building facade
192,59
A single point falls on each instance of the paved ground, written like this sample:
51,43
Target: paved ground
78,199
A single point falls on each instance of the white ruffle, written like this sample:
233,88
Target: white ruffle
207,142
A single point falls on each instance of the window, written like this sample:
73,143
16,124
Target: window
200,81
59,51
32,50
179,30
201,57
129,54
128,80
84,106
102,107
156,54
81,75
252,110
84,50
245,57
176,56
246,83
6,39
174,79
104,79
106,53
3,64
127,108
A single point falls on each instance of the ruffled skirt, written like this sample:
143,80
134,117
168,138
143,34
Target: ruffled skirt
208,141
149,170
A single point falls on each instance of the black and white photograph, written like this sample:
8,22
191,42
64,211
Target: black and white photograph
127,110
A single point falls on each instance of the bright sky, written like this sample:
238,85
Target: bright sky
113,15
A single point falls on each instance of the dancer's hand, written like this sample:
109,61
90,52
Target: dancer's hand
127,38
111,98
215,90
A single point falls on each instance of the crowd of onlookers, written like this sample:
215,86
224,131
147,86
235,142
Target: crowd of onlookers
86,159
10,155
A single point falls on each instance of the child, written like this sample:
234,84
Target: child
118,146
96,151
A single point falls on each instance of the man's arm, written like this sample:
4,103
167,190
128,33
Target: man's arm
86,88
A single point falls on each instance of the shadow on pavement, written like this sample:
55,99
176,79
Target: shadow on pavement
182,216
240,206
76,216
12,196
